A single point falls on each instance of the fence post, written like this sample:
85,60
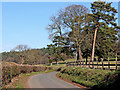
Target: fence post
116,62
102,64
74,63
66,64
80,62
89,63
97,62
93,63
77,63
86,61
108,63
83,63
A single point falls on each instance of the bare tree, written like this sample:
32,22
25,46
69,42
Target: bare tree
22,49
68,24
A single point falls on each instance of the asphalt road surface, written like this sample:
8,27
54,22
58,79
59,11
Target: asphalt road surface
48,80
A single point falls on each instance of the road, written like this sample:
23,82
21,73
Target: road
48,80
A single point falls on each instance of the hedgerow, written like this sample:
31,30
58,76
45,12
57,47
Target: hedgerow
10,70
92,78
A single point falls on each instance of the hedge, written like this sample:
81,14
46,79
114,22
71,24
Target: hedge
91,78
10,70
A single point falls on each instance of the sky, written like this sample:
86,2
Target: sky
119,13
25,22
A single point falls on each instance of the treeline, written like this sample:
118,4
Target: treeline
57,53
32,57
89,34
22,55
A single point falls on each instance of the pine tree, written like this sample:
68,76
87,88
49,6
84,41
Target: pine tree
103,15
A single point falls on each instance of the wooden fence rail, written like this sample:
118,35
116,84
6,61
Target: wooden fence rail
97,65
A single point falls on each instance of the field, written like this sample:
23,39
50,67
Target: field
63,63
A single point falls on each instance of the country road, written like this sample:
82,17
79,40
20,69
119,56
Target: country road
49,80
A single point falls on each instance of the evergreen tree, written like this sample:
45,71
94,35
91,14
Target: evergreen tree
103,15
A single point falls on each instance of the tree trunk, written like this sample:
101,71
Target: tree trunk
77,54
22,61
86,57
56,62
93,49
51,64
80,53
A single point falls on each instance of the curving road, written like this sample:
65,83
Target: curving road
48,80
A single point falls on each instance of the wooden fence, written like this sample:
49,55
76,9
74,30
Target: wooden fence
105,65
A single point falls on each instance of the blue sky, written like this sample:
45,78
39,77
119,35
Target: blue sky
26,22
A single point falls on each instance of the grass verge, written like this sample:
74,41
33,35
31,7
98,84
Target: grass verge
91,78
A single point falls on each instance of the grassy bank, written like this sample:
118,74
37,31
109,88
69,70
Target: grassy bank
91,78
21,80
11,70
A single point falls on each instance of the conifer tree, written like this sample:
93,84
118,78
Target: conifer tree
103,15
